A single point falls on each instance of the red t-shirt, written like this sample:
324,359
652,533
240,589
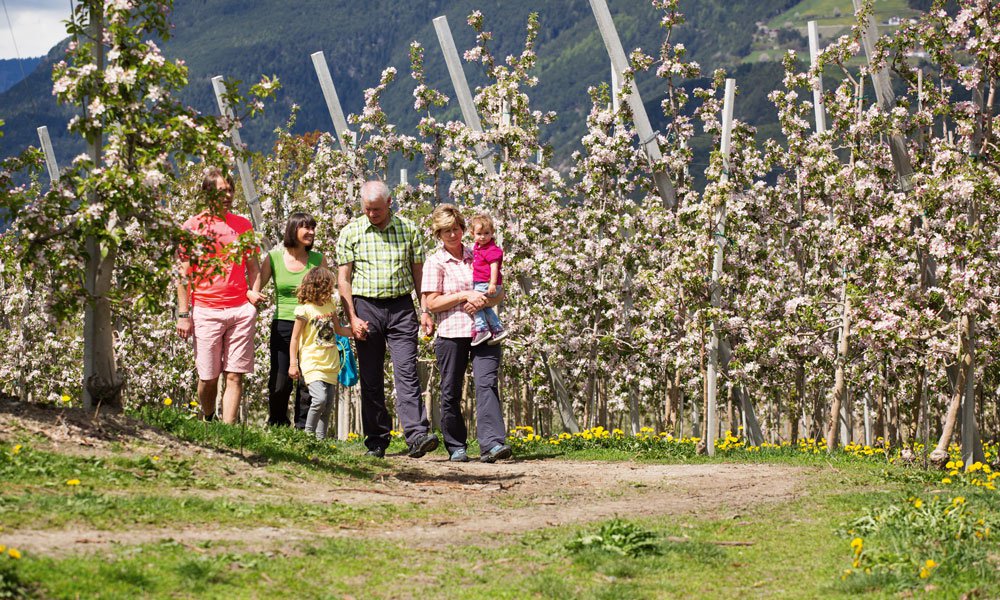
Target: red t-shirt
229,288
482,257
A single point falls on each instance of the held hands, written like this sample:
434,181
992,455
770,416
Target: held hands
254,297
360,328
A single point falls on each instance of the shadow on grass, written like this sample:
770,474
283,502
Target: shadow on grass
270,445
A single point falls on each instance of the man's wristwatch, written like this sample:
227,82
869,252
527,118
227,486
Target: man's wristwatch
184,315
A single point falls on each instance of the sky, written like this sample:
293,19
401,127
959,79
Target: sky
36,26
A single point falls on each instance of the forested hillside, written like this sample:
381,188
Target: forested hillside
13,70
242,40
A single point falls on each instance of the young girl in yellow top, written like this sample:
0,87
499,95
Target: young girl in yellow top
313,348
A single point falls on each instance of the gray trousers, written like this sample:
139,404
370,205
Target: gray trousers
453,356
318,417
392,324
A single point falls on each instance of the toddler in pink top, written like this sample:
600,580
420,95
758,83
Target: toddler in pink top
487,258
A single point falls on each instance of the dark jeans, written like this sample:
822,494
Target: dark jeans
279,384
453,355
392,324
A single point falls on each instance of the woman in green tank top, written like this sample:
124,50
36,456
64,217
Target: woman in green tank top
288,264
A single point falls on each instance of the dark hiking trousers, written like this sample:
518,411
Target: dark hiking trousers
279,384
392,325
453,356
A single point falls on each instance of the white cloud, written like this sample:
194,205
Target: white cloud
37,26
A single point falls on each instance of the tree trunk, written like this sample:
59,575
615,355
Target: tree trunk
798,401
883,394
972,445
940,454
101,382
840,382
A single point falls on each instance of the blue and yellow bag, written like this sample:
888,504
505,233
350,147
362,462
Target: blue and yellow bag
348,375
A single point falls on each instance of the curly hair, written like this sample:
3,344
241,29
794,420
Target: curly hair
317,287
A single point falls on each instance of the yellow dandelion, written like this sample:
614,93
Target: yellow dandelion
72,482
168,401
3,548
156,458
930,564
16,449
14,553
958,500
924,572
65,398
918,503
946,480
857,544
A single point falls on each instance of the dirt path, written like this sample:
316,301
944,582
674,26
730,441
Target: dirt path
483,502
470,503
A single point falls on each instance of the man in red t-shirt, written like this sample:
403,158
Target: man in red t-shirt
214,302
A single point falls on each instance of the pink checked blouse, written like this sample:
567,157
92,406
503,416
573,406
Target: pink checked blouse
446,274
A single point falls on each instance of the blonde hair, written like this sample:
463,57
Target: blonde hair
446,216
482,219
317,286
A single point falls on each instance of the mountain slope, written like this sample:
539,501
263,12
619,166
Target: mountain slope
245,38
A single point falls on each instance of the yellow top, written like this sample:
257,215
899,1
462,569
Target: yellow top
319,359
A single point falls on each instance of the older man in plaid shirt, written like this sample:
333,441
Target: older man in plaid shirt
380,257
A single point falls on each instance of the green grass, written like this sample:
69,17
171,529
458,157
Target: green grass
795,549
824,12
264,445
791,549
110,511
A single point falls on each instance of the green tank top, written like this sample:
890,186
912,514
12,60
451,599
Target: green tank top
286,283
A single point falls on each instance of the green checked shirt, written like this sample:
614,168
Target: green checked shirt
382,259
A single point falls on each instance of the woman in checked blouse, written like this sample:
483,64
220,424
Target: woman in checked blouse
448,294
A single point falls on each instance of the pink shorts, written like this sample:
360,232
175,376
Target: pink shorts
223,340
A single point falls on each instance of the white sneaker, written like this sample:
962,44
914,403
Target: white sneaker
481,337
498,337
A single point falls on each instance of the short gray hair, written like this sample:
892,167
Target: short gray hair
374,190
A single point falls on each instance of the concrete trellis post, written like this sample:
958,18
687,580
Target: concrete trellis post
711,416
461,84
330,95
647,137
886,101
846,429
249,189
818,86
50,155
616,89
